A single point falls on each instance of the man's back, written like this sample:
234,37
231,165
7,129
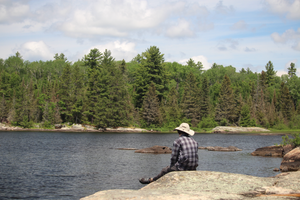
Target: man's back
185,153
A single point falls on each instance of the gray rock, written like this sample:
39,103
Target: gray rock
236,129
210,185
58,126
216,148
155,150
291,161
77,126
272,151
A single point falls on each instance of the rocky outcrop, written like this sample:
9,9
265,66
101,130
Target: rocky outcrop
4,127
272,151
291,161
155,150
216,148
210,185
236,129
121,129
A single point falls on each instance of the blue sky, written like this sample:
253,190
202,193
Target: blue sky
243,34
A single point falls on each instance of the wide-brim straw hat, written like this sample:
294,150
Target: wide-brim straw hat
185,127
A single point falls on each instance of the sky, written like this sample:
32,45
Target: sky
240,33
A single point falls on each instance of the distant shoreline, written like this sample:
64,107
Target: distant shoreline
136,131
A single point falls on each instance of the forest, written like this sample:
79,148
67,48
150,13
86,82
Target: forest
145,92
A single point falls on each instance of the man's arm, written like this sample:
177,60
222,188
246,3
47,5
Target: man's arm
175,152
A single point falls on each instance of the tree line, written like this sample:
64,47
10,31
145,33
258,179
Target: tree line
145,92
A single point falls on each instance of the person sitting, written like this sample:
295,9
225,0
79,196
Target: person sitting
184,154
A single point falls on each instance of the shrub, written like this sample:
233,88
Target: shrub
207,122
295,141
280,126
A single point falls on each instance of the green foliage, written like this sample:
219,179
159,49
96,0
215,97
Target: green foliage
100,91
245,116
226,107
150,109
294,141
280,126
152,70
207,122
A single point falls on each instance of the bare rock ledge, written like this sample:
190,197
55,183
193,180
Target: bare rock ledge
211,185
236,129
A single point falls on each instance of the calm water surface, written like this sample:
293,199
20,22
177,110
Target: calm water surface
53,165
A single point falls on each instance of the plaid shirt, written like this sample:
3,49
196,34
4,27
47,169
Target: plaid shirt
185,153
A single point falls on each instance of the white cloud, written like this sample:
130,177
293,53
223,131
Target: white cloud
296,46
201,58
249,49
281,72
116,18
119,50
181,29
240,25
227,44
224,10
11,11
35,51
288,36
288,8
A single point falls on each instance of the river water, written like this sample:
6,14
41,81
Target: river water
54,165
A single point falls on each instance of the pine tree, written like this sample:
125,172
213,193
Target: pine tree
173,113
205,107
150,110
191,100
152,70
245,116
225,107
92,61
65,94
3,110
270,73
292,70
111,107
287,106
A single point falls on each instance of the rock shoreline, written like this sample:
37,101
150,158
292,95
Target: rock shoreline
211,185
236,129
72,128
88,128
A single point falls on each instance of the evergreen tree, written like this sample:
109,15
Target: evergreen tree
173,113
270,73
3,110
111,107
287,106
65,94
152,69
226,106
150,110
292,70
92,61
204,104
245,116
191,100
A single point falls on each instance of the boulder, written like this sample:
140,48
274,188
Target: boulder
272,151
291,161
58,126
216,148
77,126
236,129
210,185
155,150
287,148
